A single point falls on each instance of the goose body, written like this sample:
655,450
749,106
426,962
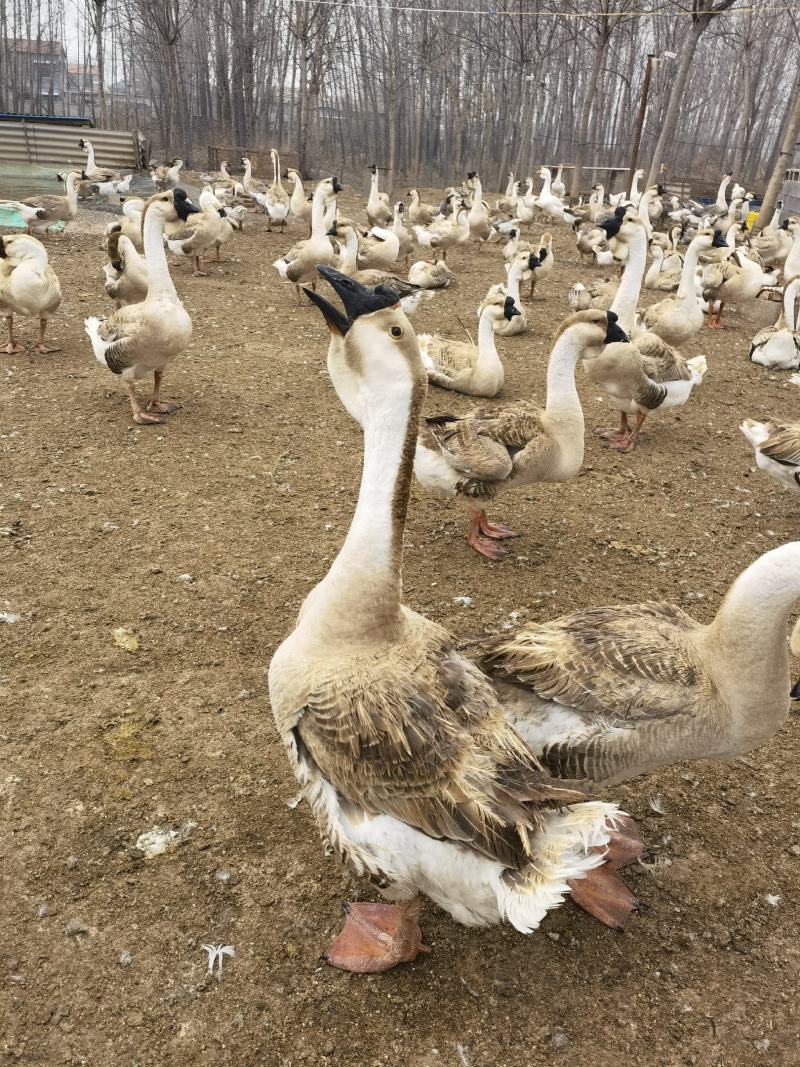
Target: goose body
388,729
141,339
736,278
466,368
778,346
126,272
379,212
525,263
28,287
299,206
379,249
91,170
777,450
167,176
430,275
420,213
480,228
615,692
299,263
41,212
664,281
678,318
200,233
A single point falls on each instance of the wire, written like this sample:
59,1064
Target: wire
494,11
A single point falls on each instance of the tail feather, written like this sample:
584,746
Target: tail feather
699,364
755,432
99,346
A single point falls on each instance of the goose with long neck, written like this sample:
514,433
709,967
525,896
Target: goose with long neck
299,263
91,170
480,228
657,276
678,318
774,243
402,234
524,263
141,339
407,762
610,693
277,199
299,206
41,212
420,213
722,201
475,370
557,185
475,457
379,212
635,195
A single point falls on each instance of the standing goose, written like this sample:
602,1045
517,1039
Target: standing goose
141,339
28,287
738,279
405,758
557,184
678,318
488,451
43,211
778,346
277,199
402,234
480,228
545,262
379,211
379,248
610,693
299,263
168,176
447,234
299,205
91,171
208,229
420,213
466,368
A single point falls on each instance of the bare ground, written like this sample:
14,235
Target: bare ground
248,491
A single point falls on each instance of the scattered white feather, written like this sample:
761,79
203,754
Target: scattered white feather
464,601
161,839
216,954
9,617
657,804
773,899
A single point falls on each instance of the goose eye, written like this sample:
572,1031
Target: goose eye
396,331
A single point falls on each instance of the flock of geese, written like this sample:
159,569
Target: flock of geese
470,775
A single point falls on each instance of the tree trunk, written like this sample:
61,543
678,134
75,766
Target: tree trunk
791,131
586,110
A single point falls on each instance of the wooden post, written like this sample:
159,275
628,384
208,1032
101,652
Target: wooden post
648,71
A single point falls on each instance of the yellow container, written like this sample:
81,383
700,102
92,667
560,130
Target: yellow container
751,218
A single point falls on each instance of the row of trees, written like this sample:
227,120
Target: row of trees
430,88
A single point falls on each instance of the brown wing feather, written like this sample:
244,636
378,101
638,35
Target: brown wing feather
426,742
783,444
471,452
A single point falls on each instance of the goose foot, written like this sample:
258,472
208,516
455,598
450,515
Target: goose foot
486,546
143,418
376,937
43,348
621,443
602,893
610,433
498,531
12,348
164,407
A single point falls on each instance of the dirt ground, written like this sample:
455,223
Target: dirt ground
203,536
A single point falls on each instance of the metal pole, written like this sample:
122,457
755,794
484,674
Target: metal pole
648,70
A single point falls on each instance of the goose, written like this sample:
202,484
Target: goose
737,279
774,242
557,185
379,249
507,205
480,228
91,171
548,203
721,204
141,339
411,770
402,234
737,192
598,295
446,234
131,222
635,195
299,263
126,272
105,190
486,452
43,211
777,450
28,287
610,693
664,281
545,262
299,206
430,275
420,213
525,212
475,370
250,183
379,212
525,263
277,199
197,236
778,346
678,318
588,237
791,265
168,176
410,295
514,245
673,260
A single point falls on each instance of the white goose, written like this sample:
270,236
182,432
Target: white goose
778,346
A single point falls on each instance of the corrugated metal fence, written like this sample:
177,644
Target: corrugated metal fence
37,142
790,195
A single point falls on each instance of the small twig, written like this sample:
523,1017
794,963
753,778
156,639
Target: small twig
466,331
463,1059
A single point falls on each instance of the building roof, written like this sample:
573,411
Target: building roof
26,45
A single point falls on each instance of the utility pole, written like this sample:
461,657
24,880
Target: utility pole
648,73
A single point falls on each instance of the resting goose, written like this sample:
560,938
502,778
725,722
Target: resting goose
407,761
299,263
28,287
778,346
488,451
597,295
430,275
126,272
609,693
379,211
658,277
777,449
525,263
379,249
466,368
774,242
42,212
420,213
678,318
141,339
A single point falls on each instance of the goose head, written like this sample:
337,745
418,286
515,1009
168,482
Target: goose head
373,356
591,331
497,305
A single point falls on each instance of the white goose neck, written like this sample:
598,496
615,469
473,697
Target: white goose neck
562,393
686,288
350,252
318,213
159,281
630,285
515,272
487,347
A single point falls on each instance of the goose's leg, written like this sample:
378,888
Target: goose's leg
40,345
486,545
628,444
198,271
498,531
12,345
163,407
376,937
718,325
609,434
603,893
143,418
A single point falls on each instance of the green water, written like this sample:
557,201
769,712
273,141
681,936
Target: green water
20,180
